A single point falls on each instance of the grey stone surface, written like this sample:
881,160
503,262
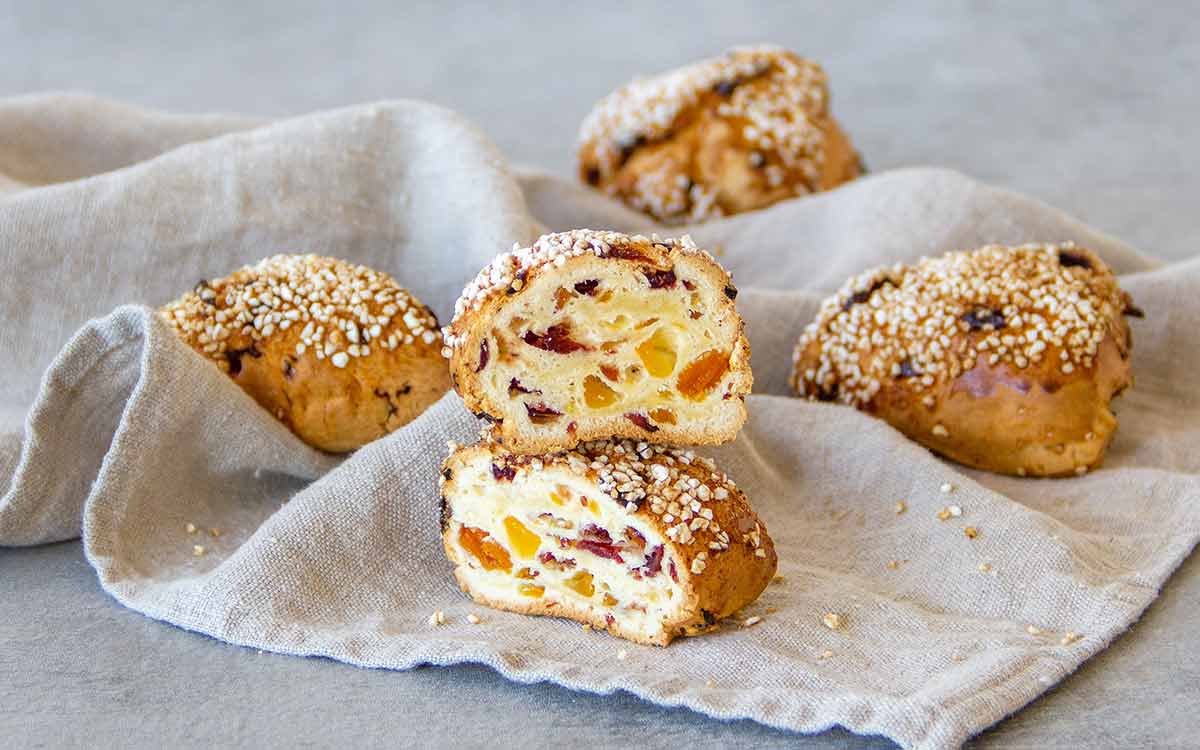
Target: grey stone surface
1091,108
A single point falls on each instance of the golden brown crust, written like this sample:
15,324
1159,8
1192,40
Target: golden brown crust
718,137
475,341
720,553
1004,359
340,354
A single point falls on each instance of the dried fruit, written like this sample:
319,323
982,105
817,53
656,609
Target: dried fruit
587,287
1067,259
531,590
596,540
641,420
548,559
983,319
561,298
609,601
539,413
635,537
503,473
703,374
610,372
658,354
557,339
581,583
515,387
597,395
661,279
523,541
653,563
663,416
490,554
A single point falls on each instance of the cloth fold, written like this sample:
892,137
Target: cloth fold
114,429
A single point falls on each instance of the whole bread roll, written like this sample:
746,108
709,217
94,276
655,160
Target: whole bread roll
644,541
1004,359
339,353
588,335
717,137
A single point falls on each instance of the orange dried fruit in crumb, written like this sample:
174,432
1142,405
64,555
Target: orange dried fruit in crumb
597,395
663,416
523,541
581,583
703,374
490,554
658,354
531,590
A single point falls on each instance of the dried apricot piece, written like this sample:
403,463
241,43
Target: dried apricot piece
523,541
658,354
663,416
608,600
597,395
490,554
610,372
531,590
581,583
703,374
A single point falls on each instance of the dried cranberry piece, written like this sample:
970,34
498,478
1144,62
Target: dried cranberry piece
609,620
595,533
515,387
587,287
608,551
908,369
671,570
731,292
548,559
653,563
503,474
641,420
692,287
557,339
234,358
483,355
539,413
979,318
661,279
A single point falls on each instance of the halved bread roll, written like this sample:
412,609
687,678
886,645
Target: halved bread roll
644,541
590,335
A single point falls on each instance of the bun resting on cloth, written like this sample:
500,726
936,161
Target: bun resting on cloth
644,541
717,137
588,335
339,353
1004,359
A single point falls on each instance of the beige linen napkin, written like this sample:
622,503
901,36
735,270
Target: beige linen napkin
122,426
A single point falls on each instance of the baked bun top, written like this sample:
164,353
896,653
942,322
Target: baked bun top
343,312
1044,308
779,100
510,272
684,496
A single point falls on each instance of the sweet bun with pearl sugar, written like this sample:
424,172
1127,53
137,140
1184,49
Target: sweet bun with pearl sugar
721,136
1004,359
339,353
588,335
644,541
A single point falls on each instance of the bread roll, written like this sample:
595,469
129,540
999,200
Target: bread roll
590,335
646,542
1004,359
339,353
718,137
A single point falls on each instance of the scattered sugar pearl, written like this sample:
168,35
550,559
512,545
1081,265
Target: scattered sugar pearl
833,621
191,528
622,655
751,621
474,619
437,618
1070,637
198,550
901,506
1033,630
946,488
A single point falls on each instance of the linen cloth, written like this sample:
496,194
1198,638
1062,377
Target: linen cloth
113,429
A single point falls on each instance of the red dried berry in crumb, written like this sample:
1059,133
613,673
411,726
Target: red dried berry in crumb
653,563
515,387
641,420
689,285
595,533
635,536
609,620
539,413
571,428
587,287
557,339
483,355
503,474
661,279
625,253
671,570
610,372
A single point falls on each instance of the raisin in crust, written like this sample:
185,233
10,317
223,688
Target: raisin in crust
717,137
589,335
644,541
1004,359
339,353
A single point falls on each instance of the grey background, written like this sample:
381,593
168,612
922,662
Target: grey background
1090,108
